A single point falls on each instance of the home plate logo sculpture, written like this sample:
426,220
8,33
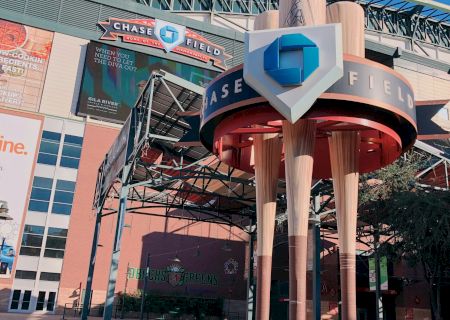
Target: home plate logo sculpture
299,65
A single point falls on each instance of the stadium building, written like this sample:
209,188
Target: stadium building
71,71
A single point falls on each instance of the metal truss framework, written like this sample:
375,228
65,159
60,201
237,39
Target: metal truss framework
406,19
186,181
166,177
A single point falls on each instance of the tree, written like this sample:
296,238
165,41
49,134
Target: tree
420,223
416,220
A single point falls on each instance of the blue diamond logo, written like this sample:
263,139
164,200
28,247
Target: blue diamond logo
169,34
291,59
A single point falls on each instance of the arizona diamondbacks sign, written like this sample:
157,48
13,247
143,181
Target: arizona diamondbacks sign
292,67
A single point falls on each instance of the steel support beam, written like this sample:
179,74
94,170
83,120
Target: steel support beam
88,291
251,287
107,315
316,260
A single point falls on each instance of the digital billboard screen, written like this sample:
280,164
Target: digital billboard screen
24,56
113,78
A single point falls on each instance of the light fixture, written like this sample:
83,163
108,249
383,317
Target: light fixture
3,206
4,211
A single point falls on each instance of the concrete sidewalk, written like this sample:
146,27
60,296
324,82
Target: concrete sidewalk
21,316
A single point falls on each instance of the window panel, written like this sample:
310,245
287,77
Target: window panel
41,182
40,194
23,274
73,139
49,147
65,185
63,197
33,229
57,232
55,136
31,240
51,253
40,206
26,300
28,251
15,300
47,159
51,301
55,243
40,300
49,276
71,151
60,208
69,162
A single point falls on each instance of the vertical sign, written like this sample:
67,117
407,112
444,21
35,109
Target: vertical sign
18,143
373,274
24,55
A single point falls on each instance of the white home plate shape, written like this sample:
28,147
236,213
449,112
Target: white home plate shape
293,98
171,35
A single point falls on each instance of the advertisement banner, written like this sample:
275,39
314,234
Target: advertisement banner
24,55
114,77
373,274
18,145
116,156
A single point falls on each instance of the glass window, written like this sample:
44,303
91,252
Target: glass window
50,253
49,276
59,208
26,251
40,194
49,135
42,182
26,300
48,150
40,300
33,229
71,152
23,274
63,197
69,162
57,232
55,243
32,240
73,139
49,147
65,185
15,300
47,159
40,206
51,301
